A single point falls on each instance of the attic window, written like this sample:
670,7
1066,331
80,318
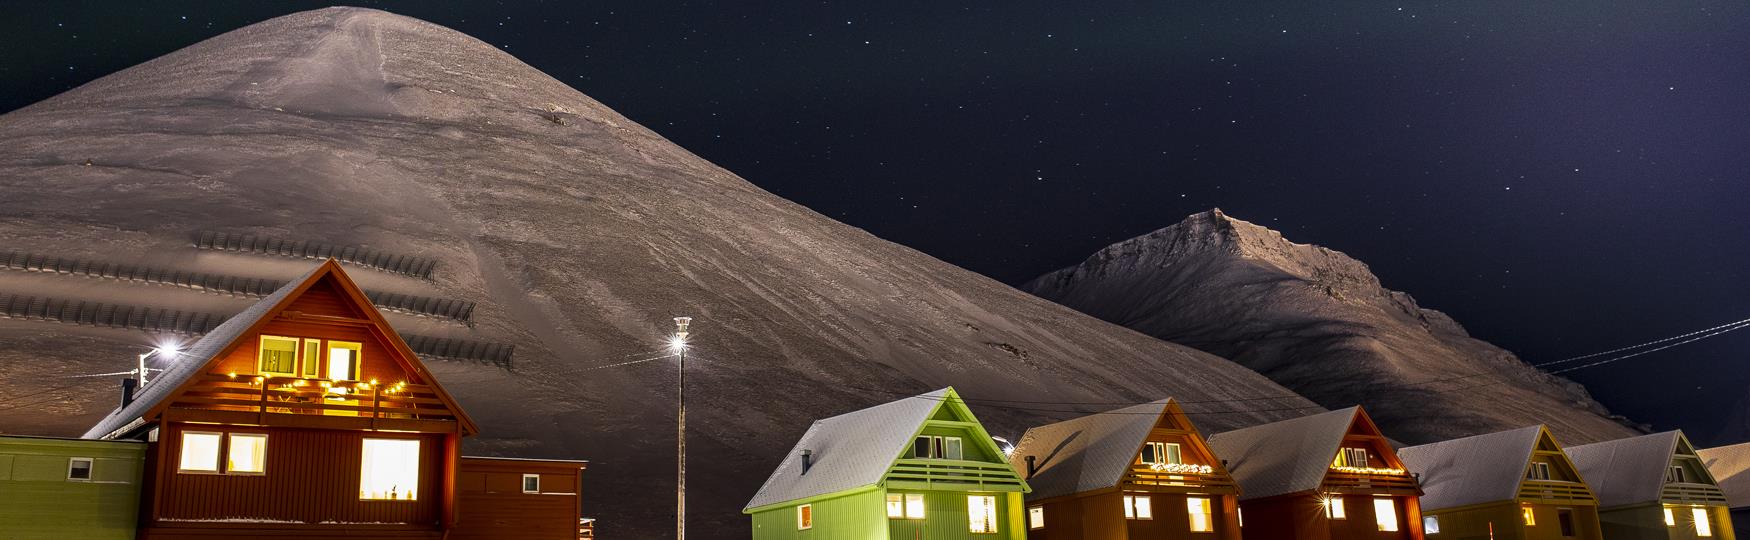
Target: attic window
1538,471
938,447
1351,457
343,360
1156,453
279,356
79,469
1676,475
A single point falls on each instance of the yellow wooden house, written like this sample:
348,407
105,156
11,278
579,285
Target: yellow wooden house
1654,487
1509,485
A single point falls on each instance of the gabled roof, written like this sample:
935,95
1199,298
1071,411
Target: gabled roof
215,345
856,449
1628,471
1284,457
1472,470
1730,467
1090,453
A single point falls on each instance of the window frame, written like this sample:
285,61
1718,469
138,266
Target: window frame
1538,471
1431,524
1670,516
1197,507
525,483
953,448
1565,521
227,449
1676,475
1035,518
804,517
90,468
922,506
261,358
1175,454
1528,515
1334,508
310,368
218,452
1152,453
992,519
1390,506
419,451
896,506
357,360
1704,527
1137,505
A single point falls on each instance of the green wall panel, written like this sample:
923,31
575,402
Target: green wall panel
38,501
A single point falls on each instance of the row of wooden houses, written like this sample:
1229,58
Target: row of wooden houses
304,416
923,467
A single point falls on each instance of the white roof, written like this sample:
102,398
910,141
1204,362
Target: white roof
849,451
1284,457
1085,454
1472,470
1626,471
1730,466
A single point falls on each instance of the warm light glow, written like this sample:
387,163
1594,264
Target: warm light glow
805,517
1702,527
343,360
1138,507
1369,470
677,343
981,512
914,506
1530,518
1334,507
389,470
1181,468
231,374
895,505
200,452
1198,507
1431,524
1385,514
1036,518
1670,517
248,453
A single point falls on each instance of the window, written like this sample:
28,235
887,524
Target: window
1334,507
1138,507
1530,518
531,483
343,360
914,506
1670,518
895,506
1676,475
312,358
1158,453
981,512
1702,527
389,470
279,356
805,517
1565,520
1240,517
1351,457
955,450
1538,471
1385,514
1198,507
1431,524
938,447
200,452
248,454
79,469
1036,518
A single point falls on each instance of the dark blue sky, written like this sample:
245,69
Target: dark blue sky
1562,177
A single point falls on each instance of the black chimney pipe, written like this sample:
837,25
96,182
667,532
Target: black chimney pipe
807,460
1031,467
128,386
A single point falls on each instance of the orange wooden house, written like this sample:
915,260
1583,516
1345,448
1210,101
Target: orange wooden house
1328,476
1141,472
307,416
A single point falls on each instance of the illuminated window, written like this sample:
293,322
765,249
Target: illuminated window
1530,518
200,452
1676,475
531,483
914,506
1198,507
1036,518
1431,524
805,517
1538,471
1351,457
389,470
248,453
312,358
981,512
1334,507
1670,518
79,469
1385,514
1138,507
343,360
1702,527
279,356
1240,517
1565,521
895,505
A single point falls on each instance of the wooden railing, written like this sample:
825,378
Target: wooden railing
1692,494
1349,482
916,473
372,406
1554,492
585,529
1147,479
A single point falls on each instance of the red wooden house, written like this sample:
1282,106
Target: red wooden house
306,415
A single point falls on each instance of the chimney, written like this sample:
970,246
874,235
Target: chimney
128,386
807,460
1031,468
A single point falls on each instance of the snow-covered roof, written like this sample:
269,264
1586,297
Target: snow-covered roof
1087,453
1472,470
1284,457
1626,471
1730,466
188,364
848,451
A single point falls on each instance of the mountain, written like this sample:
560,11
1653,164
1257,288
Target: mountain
487,206
1320,323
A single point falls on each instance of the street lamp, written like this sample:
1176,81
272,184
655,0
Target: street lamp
161,351
678,344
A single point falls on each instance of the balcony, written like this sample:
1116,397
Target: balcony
300,402
952,474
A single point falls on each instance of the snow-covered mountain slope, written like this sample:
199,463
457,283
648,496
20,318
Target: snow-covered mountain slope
579,234
1320,323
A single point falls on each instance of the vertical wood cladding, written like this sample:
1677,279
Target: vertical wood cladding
312,478
492,503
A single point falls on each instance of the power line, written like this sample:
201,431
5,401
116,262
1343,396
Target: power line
1654,342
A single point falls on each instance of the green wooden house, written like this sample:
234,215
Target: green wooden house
69,488
920,468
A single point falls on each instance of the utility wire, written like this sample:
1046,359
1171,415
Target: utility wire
1738,324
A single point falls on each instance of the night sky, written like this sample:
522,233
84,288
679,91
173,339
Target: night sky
1563,177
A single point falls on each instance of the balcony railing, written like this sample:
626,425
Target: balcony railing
1553,491
956,474
1340,481
371,406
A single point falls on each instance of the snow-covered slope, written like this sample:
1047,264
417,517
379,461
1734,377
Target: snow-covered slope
1320,323
578,232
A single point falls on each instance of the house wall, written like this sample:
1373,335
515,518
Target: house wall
1474,523
1172,519
1647,522
312,477
1302,517
946,518
1586,525
38,501
491,502
858,516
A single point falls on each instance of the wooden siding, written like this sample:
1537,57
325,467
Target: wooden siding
946,518
312,478
857,516
1507,522
1302,517
1647,522
492,504
37,500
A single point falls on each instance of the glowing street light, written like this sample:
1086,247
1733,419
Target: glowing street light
678,343
162,350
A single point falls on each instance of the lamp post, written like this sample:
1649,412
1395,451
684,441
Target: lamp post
679,344
160,351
